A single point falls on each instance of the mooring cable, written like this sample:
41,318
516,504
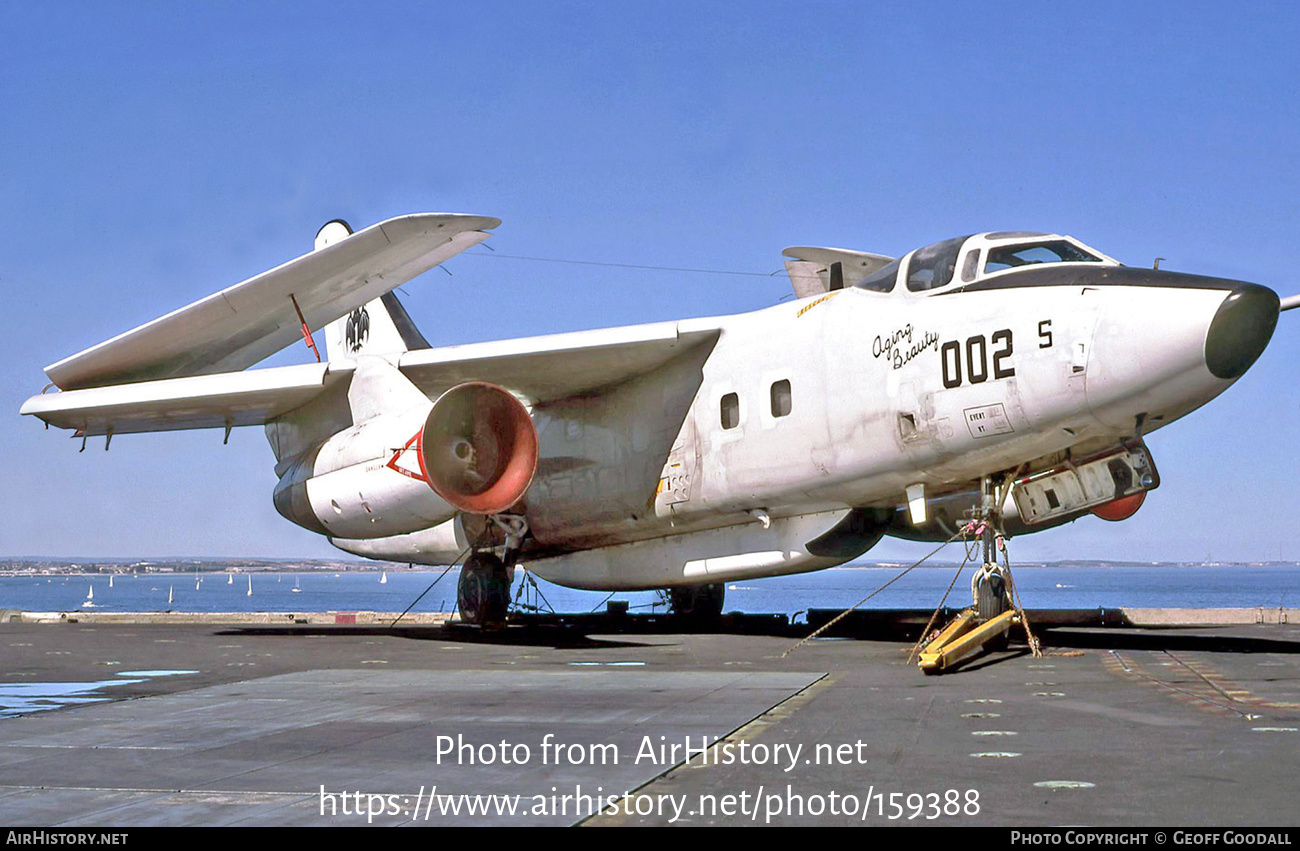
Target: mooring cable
935,615
430,588
845,613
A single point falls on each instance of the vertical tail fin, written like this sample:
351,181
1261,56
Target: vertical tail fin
379,327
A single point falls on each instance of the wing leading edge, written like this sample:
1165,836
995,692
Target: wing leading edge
205,401
539,369
246,323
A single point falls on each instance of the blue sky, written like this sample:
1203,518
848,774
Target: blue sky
153,153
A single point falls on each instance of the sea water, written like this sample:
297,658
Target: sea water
1054,587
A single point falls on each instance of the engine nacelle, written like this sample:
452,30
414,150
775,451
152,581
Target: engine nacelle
474,450
478,448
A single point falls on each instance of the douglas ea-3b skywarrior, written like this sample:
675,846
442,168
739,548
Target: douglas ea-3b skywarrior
1003,376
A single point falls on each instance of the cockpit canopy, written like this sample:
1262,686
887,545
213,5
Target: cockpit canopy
966,259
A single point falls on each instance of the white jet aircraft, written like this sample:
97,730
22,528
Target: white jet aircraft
1017,372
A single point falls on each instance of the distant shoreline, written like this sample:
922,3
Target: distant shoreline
49,567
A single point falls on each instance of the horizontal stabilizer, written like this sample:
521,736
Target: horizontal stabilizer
244,324
814,271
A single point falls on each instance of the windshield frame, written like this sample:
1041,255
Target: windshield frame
970,261
940,259
1047,242
877,280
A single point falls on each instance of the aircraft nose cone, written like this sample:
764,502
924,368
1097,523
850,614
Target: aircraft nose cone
1240,330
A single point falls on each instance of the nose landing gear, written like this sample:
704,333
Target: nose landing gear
987,623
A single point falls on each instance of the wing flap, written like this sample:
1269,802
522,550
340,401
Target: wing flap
233,329
207,401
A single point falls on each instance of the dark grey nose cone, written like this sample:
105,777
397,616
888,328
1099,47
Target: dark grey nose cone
1240,330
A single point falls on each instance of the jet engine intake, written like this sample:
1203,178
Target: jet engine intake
479,448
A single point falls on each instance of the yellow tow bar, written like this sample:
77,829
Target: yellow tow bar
962,638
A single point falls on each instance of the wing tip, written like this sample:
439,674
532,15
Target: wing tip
455,222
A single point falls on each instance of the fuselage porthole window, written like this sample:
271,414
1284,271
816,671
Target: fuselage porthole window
781,398
730,410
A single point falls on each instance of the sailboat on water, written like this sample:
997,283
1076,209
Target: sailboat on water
230,579
383,577
90,599
110,581
169,595
296,589
250,586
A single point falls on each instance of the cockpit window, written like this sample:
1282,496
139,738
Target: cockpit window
881,280
933,266
1028,254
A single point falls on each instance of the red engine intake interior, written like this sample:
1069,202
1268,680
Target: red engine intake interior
479,448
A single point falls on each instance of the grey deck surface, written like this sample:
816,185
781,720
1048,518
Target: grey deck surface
1169,727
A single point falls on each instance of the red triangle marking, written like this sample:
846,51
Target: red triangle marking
412,444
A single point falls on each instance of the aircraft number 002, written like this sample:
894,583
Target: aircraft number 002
977,350
977,360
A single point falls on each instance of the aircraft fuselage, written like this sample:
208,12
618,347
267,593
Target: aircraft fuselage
810,408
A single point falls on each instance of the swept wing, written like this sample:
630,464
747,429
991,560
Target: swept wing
540,369
241,325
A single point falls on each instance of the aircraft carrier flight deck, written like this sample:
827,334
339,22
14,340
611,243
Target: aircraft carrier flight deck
137,723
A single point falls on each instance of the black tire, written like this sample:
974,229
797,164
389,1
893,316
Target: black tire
991,597
701,603
483,593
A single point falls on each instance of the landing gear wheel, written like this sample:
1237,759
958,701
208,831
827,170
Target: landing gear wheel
992,600
991,597
483,594
699,603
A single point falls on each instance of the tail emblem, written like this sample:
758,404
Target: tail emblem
358,329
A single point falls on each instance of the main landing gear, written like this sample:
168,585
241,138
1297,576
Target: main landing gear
697,603
483,593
